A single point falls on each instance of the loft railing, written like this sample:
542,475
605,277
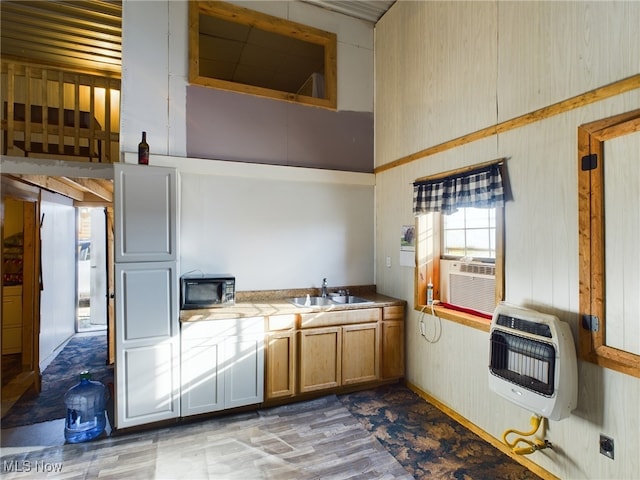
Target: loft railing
53,113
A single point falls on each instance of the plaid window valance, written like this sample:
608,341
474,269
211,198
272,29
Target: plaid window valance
480,188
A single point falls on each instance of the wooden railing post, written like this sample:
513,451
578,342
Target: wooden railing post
78,133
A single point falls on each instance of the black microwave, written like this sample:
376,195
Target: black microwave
204,290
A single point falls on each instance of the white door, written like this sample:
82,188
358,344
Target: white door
147,367
98,267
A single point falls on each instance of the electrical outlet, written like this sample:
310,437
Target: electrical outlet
606,446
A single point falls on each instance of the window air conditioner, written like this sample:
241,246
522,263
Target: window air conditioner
469,285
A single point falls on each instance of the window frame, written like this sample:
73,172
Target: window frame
428,255
245,16
591,239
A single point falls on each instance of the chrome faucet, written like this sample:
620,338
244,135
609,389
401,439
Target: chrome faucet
324,287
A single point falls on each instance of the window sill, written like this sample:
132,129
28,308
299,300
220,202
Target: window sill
463,318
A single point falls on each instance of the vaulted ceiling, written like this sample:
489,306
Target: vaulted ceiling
83,34
87,34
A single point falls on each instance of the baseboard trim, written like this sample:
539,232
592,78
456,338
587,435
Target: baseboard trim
525,462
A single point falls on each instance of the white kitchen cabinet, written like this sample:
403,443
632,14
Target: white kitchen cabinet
145,204
147,331
222,364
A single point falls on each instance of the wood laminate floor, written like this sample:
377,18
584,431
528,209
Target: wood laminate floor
318,439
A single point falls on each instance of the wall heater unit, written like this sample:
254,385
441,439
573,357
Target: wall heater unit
532,361
470,285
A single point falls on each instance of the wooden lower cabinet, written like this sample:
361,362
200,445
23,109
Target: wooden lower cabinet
344,349
11,319
312,352
320,358
280,356
360,353
393,350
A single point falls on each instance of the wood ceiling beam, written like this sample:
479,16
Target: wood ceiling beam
53,184
102,189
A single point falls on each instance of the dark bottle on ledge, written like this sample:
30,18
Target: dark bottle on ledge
143,150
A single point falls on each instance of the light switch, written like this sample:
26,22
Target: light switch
388,262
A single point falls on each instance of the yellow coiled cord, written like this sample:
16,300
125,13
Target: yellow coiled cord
532,445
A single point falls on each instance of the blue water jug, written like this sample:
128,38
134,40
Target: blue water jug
85,404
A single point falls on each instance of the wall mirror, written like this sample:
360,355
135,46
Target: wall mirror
609,235
237,49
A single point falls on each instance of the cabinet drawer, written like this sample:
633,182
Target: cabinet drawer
12,290
342,317
394,312
281,322
229,327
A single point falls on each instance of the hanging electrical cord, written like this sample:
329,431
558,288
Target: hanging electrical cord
437,325
532,445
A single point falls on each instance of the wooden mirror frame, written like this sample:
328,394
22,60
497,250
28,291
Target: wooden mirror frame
271,24
592,337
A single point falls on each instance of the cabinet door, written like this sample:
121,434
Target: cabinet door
393,351
360,358
147,343
11,320
280,358
203,364
202,380
320,358
145,213
243,370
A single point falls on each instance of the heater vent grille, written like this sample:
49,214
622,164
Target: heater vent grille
524,361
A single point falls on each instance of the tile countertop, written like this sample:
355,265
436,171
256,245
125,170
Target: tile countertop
264,304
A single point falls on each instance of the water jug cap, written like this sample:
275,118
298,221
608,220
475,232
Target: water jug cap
85,374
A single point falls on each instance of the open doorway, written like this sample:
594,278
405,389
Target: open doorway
20,298
92,269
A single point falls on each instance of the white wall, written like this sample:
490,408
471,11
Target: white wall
445,69
272,227
275,227
58,299
155,66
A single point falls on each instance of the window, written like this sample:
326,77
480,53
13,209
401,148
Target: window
470,232
237,49
460,214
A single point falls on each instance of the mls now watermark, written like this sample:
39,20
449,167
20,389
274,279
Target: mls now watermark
31,466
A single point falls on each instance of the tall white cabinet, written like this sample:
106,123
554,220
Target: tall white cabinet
147,330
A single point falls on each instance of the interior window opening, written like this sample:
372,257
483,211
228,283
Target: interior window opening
241,50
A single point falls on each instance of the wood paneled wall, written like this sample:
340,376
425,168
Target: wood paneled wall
448,69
